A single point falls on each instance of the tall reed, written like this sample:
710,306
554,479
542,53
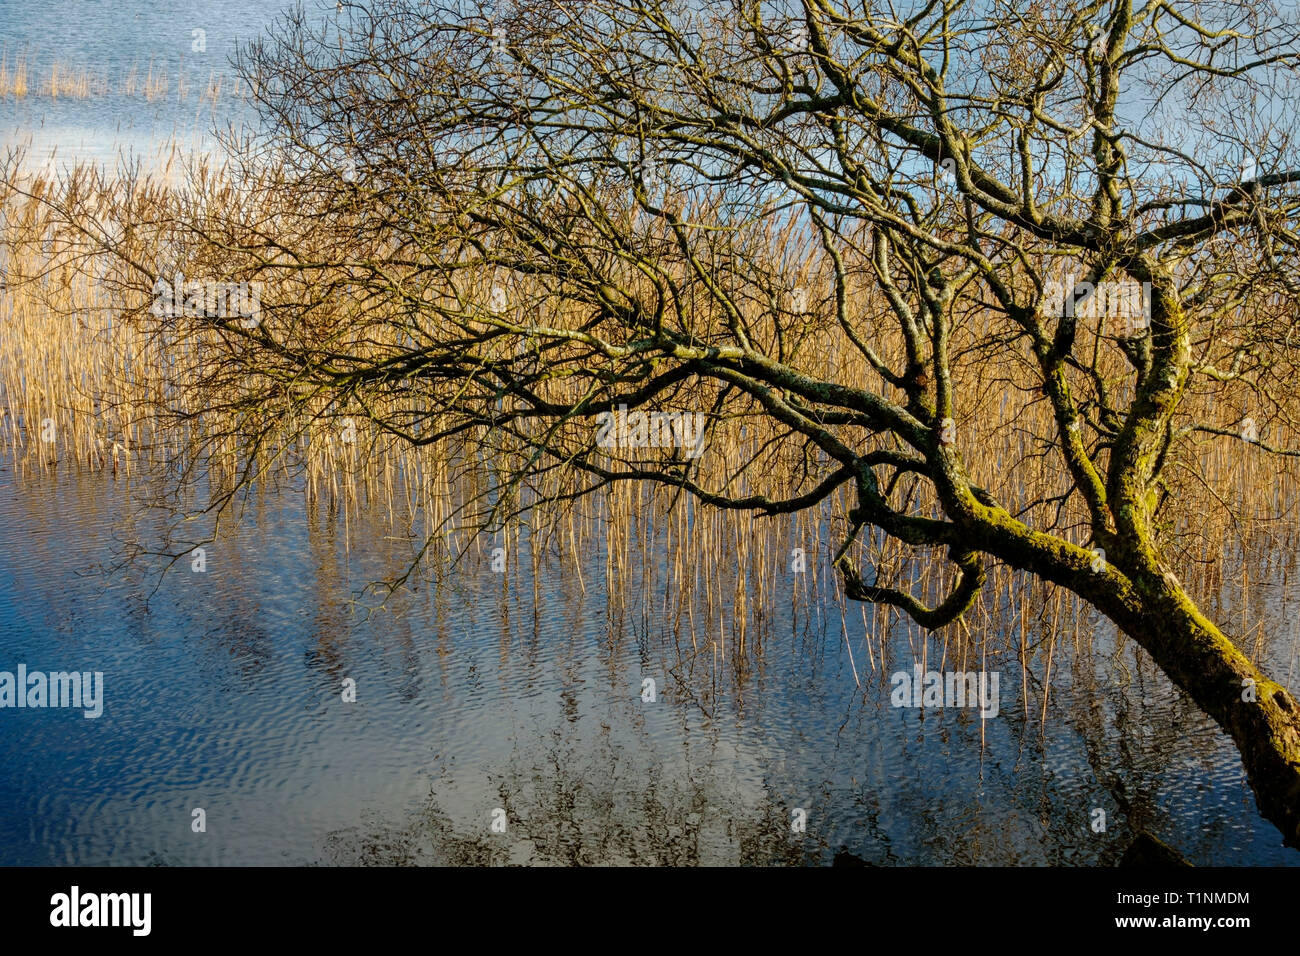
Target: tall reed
83,380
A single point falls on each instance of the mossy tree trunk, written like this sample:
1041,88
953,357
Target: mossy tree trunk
1261,716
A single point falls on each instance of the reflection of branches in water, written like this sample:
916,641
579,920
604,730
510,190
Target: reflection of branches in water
591,808
599,801
588,806
1138,735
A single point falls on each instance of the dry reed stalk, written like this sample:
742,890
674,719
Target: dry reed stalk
13,83
71,355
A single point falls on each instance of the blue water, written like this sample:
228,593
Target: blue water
109,39
224,692
496,692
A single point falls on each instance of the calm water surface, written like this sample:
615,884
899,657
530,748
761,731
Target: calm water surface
223,688
223,692
109,39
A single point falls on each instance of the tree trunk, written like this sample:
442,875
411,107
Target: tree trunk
1261,717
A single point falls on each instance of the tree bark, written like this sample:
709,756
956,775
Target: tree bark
1260,716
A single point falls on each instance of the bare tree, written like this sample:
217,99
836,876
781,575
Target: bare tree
504,227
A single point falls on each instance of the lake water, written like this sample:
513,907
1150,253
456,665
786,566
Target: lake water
117,43
223,688
223,691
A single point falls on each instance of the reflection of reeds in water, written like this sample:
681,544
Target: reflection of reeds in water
155,83
212,90
152,85
13,81
75,354
70,82
131,84
63,80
